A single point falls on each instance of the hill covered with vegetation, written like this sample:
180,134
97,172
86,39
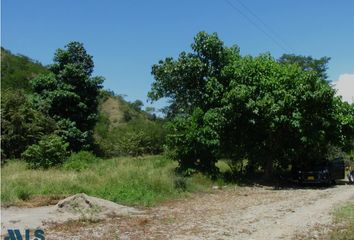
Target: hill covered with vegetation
124,128
17,70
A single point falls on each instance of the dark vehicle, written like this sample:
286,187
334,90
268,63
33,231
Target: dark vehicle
325,173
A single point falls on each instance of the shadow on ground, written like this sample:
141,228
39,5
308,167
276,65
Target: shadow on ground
279,182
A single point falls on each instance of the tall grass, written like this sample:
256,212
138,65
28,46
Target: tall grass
133,181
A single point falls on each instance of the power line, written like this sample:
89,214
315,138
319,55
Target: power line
275,34
258,27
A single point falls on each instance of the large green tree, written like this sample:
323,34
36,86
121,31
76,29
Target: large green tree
195,84
69,94
227,105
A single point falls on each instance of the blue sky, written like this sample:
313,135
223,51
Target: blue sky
127,37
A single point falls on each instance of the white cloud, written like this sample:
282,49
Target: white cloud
345,87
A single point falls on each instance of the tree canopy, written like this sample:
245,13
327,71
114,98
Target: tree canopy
186,80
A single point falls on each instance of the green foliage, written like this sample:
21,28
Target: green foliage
18,70
72,134
70,95
241,107
132,143
135,138
345,117
282,115
21,124
80,161
48,152
194,141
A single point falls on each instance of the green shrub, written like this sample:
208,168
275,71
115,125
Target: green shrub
48,152
140,137
135,138
80,161
193,142
132,143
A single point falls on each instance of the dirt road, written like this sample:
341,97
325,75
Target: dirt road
231,213
247,213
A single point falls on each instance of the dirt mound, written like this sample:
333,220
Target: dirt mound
79,206
87,205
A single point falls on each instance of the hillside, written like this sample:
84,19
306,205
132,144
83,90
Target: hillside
123,128
17,70
119,111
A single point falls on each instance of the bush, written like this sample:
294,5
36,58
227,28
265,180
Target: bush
133,143
48,152
135,138
140,137
80,161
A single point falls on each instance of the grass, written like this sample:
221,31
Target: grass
344,223
140,181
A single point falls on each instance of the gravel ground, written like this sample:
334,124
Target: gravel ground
230,213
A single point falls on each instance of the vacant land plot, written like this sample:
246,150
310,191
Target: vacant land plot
215,211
